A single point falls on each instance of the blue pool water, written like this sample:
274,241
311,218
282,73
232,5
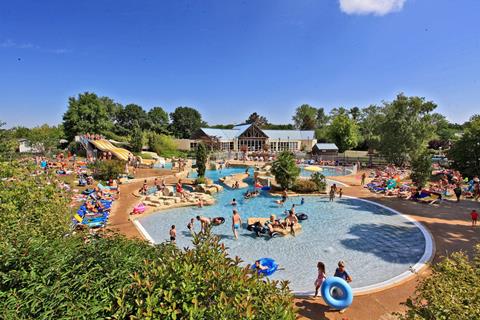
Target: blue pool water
376,244
326,171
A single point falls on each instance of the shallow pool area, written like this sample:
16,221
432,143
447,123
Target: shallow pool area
376,243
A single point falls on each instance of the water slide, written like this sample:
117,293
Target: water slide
105,145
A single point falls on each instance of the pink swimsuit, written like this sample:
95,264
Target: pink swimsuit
320,278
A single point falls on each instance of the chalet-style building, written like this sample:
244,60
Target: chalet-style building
250,137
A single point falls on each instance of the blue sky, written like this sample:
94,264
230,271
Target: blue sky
231,58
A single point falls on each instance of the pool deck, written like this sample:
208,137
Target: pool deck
448,222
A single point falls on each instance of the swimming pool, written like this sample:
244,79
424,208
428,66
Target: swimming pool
326,171
376,243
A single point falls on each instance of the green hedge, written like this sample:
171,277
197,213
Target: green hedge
49,272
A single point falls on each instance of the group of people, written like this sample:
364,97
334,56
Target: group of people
340,272
333,191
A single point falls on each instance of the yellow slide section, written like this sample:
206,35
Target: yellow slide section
105,145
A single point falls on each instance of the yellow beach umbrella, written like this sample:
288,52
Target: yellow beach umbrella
313,169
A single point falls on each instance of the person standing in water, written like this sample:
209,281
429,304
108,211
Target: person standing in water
332,194
236,223
173,234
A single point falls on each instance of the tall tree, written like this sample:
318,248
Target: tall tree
421,168
406,128
201,157
285,170
465,152
322,118
87,113
305,117
158,120
355,113
44,138
130,118
185,121
257,119
136,140
369,123
343,131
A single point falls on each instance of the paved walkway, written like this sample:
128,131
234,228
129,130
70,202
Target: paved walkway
448,222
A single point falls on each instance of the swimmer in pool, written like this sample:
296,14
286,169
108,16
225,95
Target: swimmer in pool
236,222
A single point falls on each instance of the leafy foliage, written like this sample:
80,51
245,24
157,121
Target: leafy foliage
107,169
7,143
163,145
89,113
257,119
343,131
285,170
421,168
45,138
319,180
185,121
465,153
48,272
406,128
304,186
451,292
158,120
201,159
131,118
305,117
136,140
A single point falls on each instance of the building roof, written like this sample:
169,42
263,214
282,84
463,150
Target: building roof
230,134
326,146
290,134
221,134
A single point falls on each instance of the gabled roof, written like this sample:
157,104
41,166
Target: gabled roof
230,134
222,134
326,146
290,134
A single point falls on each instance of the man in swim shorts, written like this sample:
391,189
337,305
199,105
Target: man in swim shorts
204,221
236,222
173,234
291,220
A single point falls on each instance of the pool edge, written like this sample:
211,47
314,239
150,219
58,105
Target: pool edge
426,258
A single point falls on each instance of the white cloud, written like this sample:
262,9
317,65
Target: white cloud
377,7
10,44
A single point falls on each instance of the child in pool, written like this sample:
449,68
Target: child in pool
321,276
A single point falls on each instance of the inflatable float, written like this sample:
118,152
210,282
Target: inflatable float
271,265
278,230
301,216
343,296
140,208
218,221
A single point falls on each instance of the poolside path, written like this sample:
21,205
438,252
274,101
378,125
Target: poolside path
448,222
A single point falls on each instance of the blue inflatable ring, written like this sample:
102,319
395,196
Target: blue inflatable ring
271,265
342,302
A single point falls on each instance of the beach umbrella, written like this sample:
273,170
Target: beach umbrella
313,169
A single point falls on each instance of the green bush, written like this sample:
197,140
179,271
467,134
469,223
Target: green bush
319,180
49,272
107,169
451,292
285,170
201,159
163,145
305,186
